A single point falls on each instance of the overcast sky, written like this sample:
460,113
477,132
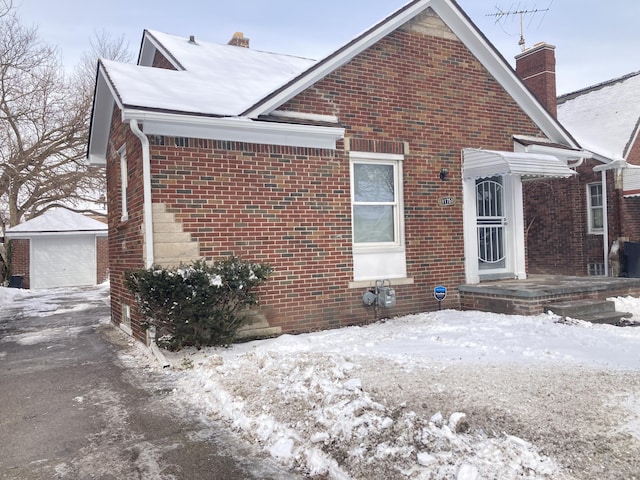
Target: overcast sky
596,41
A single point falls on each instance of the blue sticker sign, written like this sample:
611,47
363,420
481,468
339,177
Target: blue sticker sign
440,293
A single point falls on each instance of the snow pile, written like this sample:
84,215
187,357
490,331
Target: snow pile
9,295
304,400
311,411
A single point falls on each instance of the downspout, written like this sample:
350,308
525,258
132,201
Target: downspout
605,224
148,226
147,204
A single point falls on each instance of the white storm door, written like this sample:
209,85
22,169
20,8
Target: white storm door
492,227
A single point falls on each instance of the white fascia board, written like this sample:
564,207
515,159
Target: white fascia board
28,235
104,100
236,129
322,69
495,64
94,160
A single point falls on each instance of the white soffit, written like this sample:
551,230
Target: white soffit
237,129
487,163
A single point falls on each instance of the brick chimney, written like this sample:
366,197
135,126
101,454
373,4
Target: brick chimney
536,67
239,40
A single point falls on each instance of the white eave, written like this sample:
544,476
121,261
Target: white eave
235,129
18,235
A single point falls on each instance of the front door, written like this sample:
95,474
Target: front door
491,224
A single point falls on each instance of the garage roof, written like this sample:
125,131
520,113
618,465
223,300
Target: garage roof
58,222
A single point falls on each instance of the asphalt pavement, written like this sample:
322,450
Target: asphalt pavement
74,404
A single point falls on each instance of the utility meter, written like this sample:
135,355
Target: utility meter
386,294
369,298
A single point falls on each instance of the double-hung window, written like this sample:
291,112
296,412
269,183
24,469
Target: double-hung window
595,208
377,216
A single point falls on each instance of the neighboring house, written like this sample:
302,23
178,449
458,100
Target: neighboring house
59,248
577,225
605,119
397,157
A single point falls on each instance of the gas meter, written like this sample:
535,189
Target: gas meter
386,294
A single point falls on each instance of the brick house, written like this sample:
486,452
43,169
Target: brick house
574,226
400,157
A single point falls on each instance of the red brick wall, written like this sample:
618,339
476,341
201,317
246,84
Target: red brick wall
102,257
125,238
556,222
290,207
19,260
631,205
160,61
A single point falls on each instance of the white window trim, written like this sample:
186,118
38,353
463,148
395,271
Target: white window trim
591,230
124,182
380,260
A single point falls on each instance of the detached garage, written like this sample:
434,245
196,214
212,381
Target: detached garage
59,248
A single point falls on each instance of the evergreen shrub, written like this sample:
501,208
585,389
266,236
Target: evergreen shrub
197,305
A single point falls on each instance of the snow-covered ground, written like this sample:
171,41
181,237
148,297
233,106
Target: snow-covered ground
441,395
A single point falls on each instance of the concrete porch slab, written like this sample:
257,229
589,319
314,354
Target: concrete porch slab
530,296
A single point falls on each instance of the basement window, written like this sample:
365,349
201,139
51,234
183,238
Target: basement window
596,269
125,321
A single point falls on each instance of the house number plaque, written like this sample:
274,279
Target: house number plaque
445,201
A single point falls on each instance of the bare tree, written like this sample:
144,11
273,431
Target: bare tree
44,124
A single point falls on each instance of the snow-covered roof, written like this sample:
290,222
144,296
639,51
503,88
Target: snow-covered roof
218,80
214,83
604,118
58,221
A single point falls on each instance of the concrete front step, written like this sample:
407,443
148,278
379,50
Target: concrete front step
594,311
580,307
611,318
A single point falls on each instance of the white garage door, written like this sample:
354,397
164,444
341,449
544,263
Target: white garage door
63,261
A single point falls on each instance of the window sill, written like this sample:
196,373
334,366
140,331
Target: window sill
372,283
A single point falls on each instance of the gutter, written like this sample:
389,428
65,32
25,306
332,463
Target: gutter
147,204
236,129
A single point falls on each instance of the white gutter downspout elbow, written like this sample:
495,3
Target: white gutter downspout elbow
147,204
577,163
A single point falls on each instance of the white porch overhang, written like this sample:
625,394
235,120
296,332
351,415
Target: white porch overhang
630,176
478,163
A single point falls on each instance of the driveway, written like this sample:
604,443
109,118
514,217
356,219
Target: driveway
75,405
